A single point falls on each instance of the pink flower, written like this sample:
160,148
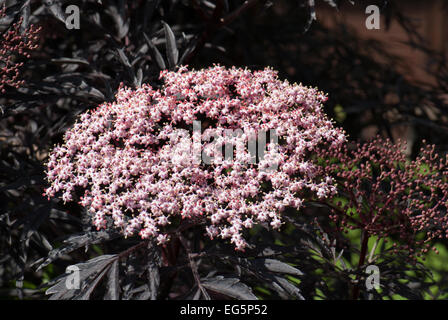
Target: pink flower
134,158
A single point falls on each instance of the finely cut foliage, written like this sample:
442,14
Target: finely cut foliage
130,168
134,165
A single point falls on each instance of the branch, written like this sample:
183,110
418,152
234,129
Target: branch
194,267
235,14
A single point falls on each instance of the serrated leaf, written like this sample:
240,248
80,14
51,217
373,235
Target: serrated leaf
277,266
70,84
55,9
231,287
154,263
25,15
155,53
75,242
171,47
118,15
139,77
70,61
289,287
113,286
333,3
284,288
91,285
124,59
312,15
90,273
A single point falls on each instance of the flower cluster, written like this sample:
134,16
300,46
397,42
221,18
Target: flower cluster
386,195
132,166
13,45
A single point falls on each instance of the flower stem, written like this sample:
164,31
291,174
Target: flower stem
362,258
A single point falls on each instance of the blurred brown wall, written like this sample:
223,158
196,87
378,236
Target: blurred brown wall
429,18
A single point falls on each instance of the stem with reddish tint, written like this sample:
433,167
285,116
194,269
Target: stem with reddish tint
362,258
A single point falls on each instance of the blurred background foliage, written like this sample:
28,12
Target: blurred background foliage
372,89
